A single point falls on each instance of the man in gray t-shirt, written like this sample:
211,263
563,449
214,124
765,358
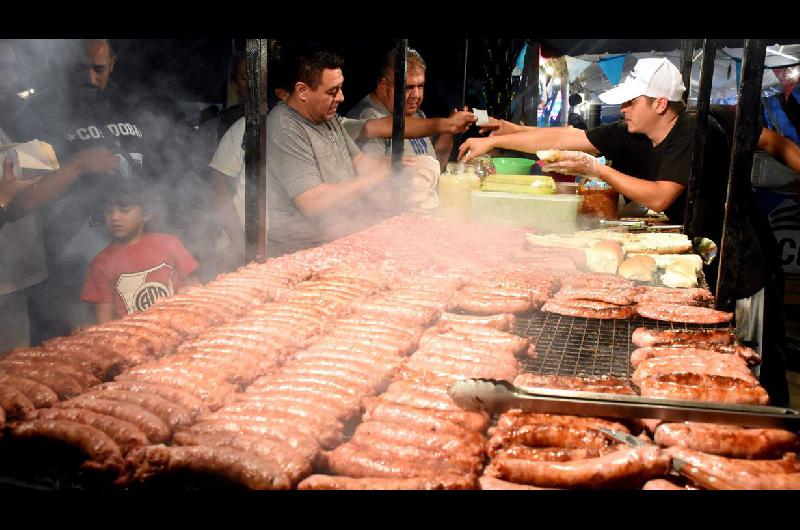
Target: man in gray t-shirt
320,186
380,102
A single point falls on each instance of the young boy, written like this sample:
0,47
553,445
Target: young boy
137,267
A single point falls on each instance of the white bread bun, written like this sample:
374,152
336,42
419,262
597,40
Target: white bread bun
658,243
664,260
548,155
680,273
640,267
604,256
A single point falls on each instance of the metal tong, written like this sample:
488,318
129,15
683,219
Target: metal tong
495,396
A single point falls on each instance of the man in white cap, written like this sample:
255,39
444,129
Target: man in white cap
650,147
651,150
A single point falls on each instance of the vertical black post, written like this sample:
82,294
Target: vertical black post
399,112
255,196
746,131
692,222
687,51
531,117
464,85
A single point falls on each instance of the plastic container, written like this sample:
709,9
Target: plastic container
600,201
533,184
512,166
455,188
546,213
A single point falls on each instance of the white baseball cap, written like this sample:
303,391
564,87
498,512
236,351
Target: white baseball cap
657,78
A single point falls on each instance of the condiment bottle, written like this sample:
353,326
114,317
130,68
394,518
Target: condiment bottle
455,190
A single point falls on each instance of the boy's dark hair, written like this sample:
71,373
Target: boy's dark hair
126,192
305,64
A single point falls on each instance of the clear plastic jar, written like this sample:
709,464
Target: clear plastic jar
455,189
600,200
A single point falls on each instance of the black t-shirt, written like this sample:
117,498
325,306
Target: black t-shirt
635,155
754,252
73,225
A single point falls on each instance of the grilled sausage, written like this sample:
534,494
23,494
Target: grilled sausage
350,461
548,435
174,415
597,311
471,444
103,453
727,440
503,321
422,419
627,467
469,420
703,387
491,483
212,397
82,376
553,454
442,461
40,395
291,435
711,364
644,337
290,461
230,464
603,384
441,482
15,403
651,352
328,434
266,400
733,473
683,314
125,435
514,419
65,386
189,402
154,428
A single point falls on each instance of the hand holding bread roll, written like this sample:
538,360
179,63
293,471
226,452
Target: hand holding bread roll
604,256
639,267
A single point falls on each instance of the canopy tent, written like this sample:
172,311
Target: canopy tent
593,80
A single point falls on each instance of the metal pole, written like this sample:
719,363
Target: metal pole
398,113
464,85
692,222
746,131
255,192
531,117
687,50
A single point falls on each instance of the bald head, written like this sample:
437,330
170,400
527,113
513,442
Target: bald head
95,63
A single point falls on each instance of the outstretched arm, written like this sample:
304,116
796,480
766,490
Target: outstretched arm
457,123
657,195
530,140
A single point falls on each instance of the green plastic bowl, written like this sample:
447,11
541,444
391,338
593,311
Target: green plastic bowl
513,166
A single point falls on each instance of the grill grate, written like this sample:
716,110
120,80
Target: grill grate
578,346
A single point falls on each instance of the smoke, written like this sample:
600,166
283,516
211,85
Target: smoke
147,114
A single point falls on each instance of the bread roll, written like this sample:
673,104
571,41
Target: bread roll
604,256
548,155
680,273
640,267
664,260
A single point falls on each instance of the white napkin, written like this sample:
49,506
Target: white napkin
482,116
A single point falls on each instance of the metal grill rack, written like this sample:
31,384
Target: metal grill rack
572,346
